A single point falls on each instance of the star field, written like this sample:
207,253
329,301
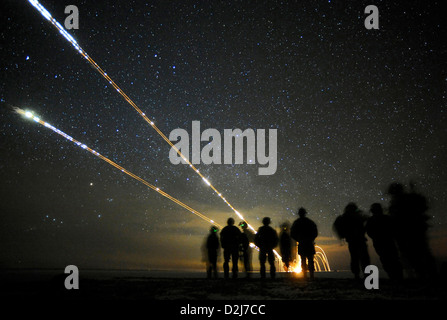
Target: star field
355,110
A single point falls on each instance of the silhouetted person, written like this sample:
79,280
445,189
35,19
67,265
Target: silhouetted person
247,236
304,231
351,226
230,239
285,245
212,248
380,229
408,210
266,239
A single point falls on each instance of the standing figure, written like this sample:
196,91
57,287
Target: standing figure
351,226
230,239
212,247
304,231
380,229
408,211
266,239
246,253
285,245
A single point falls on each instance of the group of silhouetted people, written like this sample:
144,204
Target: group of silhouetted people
400,235
236,244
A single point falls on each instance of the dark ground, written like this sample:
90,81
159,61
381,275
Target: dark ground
326,286
143,294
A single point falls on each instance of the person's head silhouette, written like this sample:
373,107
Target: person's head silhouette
266,221
302,212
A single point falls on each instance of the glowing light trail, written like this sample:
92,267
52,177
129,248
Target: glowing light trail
44,12
322,256
31,116
321,262
296,267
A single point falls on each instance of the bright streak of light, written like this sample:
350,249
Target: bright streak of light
323,258
295,266
44,12
206,181
30,115
277,255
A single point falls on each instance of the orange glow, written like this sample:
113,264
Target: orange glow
321,262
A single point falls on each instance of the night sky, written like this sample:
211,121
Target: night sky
355,110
